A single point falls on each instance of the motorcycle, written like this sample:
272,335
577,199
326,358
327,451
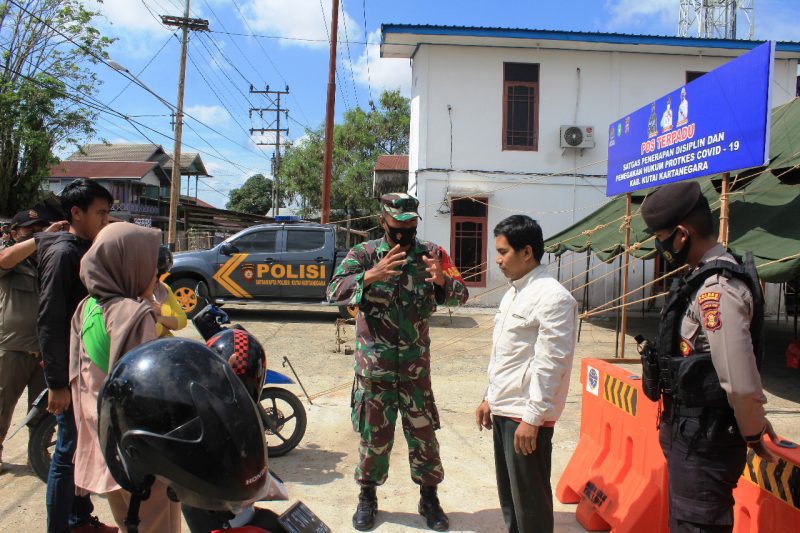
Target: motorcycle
282,412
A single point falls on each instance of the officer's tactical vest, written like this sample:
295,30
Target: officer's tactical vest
692,382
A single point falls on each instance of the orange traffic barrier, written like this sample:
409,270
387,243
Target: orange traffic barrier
768,494
617,474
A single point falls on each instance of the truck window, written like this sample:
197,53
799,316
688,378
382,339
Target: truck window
257,242
304,240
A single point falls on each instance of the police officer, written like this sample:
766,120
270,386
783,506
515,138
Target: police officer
708,352
397,282
20,361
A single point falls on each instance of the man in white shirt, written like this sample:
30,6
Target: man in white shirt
529,370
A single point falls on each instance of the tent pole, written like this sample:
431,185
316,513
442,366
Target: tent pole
644,289
626,260
585,303
617,322
796,306
558,274
723,210
780,297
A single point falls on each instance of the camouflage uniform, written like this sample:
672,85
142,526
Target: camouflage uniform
393,356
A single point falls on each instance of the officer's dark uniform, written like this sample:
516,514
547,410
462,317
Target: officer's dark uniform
707,349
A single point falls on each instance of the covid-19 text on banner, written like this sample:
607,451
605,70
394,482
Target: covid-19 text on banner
716,123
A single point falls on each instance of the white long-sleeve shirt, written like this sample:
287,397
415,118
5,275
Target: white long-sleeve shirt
532,349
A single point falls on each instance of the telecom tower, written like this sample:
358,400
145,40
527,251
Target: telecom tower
716,19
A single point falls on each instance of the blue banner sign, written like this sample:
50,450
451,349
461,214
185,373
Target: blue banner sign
716,123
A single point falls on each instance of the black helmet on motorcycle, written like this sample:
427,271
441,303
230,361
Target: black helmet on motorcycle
245,355
164,260
172,409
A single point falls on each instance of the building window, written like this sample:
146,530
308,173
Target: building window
520,106
692,75
468,239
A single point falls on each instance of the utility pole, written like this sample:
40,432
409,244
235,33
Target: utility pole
277,131
186,24
327,161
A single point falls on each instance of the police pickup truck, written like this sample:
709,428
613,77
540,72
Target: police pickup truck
280,262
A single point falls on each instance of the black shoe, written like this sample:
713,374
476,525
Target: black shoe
364,518
429,508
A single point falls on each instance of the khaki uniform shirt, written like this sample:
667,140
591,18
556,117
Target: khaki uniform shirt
718,321
19,307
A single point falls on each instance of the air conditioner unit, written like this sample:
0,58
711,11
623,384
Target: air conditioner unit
577,137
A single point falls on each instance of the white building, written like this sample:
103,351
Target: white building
487,110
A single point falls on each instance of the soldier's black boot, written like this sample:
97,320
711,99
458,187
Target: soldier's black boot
430,508
364,518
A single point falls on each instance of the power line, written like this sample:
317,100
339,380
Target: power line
300,39
336,70
305,126
222,102
258,42
349,57
366,48
130,81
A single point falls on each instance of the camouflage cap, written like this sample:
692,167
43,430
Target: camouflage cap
400,206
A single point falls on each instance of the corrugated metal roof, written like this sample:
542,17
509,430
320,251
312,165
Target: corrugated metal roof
391,163
191,163
403,40
567,35
118,152
105,169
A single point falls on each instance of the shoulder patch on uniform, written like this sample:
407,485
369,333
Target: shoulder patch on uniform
712,320
709,296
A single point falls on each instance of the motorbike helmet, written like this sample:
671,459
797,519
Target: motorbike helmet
172,409
164,260
245,355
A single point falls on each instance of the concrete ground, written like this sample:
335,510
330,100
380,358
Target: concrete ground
319,472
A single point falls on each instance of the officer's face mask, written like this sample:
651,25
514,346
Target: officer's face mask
401,236
665,248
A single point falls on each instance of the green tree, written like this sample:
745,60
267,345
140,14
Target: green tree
254,196
358,141
48,49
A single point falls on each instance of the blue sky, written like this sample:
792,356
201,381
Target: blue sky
284,42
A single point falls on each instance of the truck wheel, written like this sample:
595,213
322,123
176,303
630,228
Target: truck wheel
348,311
41,445
184,293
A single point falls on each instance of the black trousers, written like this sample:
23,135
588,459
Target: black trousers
703,467
523,481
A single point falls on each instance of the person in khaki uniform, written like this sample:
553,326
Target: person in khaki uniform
20,360
708,353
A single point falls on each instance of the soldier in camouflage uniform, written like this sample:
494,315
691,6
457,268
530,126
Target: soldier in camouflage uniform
397,282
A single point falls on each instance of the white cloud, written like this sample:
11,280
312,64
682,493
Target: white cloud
381,73
210,114
298,19
139,33
626,13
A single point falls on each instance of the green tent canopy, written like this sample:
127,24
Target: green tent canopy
764,210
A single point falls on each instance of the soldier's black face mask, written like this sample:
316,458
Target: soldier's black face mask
665,248
401,236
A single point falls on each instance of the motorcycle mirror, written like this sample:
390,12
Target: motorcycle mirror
201,290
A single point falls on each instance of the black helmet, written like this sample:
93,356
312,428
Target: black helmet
172,409
164,259
245,355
